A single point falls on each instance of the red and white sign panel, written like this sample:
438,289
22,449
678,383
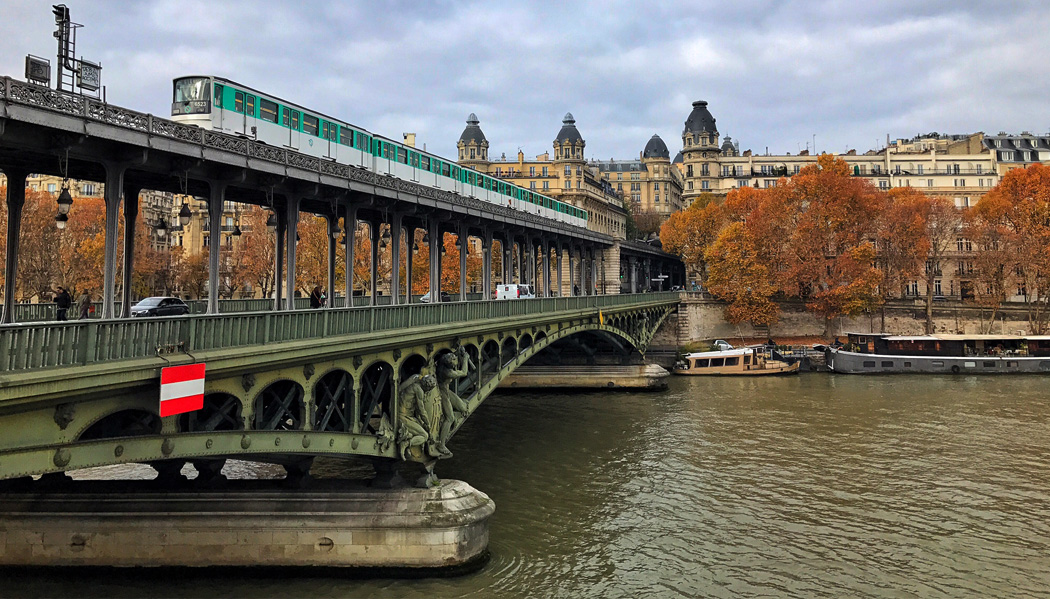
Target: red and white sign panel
181,389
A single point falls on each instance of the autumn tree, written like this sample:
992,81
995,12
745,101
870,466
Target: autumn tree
739,278
193,274
833,258
691,232
256,257
1013,223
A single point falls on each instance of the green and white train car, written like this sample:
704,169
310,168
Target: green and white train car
223,105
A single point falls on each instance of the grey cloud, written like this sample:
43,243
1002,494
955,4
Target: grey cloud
775,73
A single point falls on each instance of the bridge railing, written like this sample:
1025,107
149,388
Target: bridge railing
32,346
47,311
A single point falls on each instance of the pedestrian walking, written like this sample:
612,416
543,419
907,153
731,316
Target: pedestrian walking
62,302
84,304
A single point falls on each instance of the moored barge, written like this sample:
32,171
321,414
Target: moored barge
876,353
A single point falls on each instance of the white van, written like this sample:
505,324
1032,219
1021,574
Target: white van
514,291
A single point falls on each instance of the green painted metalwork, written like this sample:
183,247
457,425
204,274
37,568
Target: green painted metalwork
281,386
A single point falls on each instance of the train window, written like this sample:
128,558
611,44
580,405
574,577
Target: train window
218,95
295,120
402,156
325,128
267,110
250,105
445,169
425,163
415,159
238,101
346,136
310,124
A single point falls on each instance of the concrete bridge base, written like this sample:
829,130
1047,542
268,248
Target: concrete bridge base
351,527
639,376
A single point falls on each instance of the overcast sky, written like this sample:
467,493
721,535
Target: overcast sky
774,73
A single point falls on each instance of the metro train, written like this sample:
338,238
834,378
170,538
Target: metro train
223,105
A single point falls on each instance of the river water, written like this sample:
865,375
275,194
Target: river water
809,486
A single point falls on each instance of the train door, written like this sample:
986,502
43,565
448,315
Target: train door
328,131
413,164
290,119
249,115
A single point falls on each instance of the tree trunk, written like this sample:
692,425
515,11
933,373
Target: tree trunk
929,302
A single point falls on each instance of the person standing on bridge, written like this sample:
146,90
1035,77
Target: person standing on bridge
62,302
84,304
317,297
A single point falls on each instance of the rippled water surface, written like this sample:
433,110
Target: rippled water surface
809,486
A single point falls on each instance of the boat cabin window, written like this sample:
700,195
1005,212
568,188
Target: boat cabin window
747,359
701,363
887,364
732,361
717,362
869,363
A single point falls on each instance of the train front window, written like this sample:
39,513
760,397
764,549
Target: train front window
192,89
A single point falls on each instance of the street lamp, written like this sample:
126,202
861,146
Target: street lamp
184,214
271,222
161,229
60,221
65,201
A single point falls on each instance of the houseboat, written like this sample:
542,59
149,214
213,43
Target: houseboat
745,361
871,353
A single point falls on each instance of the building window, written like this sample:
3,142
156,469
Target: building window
769,183
656,186
89,189
929,182
705,184
546,185
884,184
51,188
913,288
689,170
704,172
544,171
979,169
689,185
635,176
937,287
796,169
619,176
919,169
532,185
532,171
568,184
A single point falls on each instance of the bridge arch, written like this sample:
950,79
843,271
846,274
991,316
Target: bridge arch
122,423
376,397
279,406
221,412
333,402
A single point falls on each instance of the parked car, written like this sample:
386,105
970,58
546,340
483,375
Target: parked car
514,291
425,299
160,306
721,345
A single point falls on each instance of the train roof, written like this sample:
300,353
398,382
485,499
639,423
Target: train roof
358,127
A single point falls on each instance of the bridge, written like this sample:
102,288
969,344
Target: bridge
69,135
282,386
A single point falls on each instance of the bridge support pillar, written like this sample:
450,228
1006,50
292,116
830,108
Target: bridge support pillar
373,267
215,205
114,189
464,247
508,266
559,250
632,276
16,199
395,259
278,268
292,235
546,249
594,272
435,260
131,213
486,269
410,241
350,233
530,262
333,225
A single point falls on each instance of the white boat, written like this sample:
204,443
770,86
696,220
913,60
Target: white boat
745,361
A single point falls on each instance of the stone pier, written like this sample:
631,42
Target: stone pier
639,376
355,527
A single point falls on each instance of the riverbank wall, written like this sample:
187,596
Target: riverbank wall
701,318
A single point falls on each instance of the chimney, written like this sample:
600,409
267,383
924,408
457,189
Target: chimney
521,157
851,152
410,139
747,153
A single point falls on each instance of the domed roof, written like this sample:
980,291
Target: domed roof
569,132
677,158
700,120
656,148
727,145
473,132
